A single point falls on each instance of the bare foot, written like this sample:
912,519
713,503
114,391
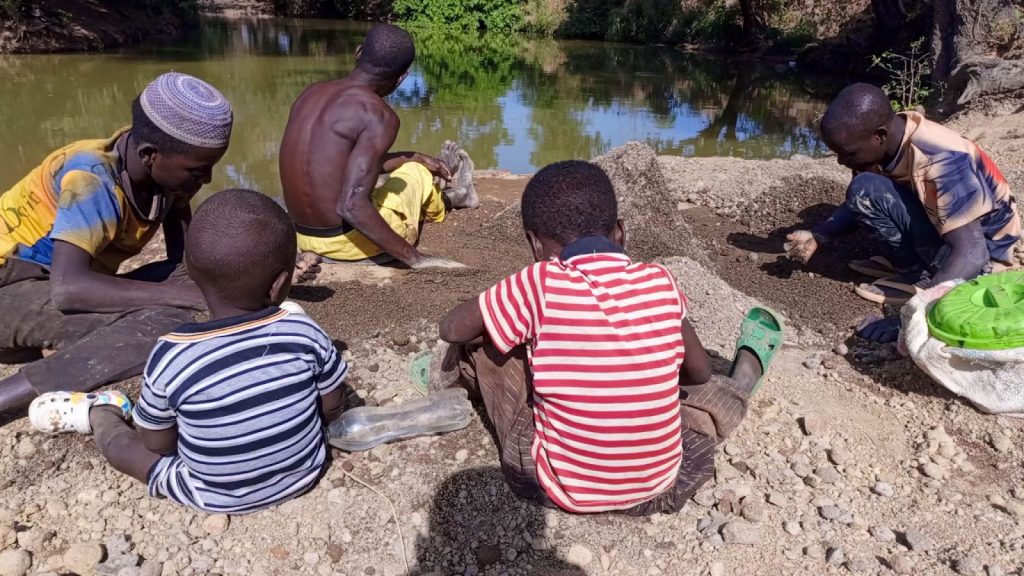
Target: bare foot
307,266
462,193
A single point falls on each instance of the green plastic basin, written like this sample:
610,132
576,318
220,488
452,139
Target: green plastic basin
986,313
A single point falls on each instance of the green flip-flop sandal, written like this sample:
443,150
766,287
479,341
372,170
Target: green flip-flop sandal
762,332
419,372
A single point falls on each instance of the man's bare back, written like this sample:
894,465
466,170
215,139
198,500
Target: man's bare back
337,143
327,123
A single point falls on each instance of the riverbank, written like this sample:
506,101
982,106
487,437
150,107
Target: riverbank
850,461
34,26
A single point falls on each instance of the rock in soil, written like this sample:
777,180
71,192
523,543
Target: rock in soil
83,558
836,556
903,564
814,551
15,562
743,533
917,540
884,489
580,555
753,511
487,554
968,565
216,524
883,534
812,425
835,514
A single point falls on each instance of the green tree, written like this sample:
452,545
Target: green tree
495,15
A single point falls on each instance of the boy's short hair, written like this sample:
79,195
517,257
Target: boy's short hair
569,200
856,111
387,52
238,243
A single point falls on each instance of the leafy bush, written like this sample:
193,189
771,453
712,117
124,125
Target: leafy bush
185,9
587,18
543,17
11,8
796,37
648,21
717,23
908,85
500,15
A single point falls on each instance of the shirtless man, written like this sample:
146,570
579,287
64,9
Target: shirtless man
336,145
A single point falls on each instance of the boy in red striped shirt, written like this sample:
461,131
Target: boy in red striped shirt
599,389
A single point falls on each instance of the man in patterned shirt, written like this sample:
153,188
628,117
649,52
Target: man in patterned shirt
937,202
68,225
582,360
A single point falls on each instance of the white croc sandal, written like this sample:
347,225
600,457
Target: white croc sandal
292,307
57,412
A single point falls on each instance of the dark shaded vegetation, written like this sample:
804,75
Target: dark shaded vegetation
89,25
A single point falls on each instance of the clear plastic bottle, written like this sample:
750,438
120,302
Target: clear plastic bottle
368,426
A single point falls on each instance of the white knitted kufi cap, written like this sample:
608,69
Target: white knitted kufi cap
188,109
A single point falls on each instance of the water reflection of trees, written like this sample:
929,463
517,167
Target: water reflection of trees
541,99
742,111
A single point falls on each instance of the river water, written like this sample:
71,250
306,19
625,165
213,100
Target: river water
515,104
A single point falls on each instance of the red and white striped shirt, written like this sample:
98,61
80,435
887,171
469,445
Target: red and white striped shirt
605,348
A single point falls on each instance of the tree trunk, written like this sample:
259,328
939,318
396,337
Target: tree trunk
753,20
969,38
890,15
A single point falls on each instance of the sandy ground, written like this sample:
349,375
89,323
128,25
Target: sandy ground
849,461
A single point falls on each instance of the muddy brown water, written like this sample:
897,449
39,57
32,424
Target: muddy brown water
514,103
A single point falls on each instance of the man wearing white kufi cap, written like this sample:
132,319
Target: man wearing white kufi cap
66,228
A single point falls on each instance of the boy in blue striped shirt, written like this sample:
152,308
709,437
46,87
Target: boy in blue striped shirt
232,410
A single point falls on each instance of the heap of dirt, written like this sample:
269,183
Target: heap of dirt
657,228
724,183
358,308
646,204
794,200
716,309
738,245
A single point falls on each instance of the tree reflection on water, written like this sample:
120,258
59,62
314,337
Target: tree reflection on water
514,103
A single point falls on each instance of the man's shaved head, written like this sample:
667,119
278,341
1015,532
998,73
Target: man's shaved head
857,125
239,243
387,52
856,111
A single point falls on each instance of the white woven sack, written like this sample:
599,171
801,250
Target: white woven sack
992,380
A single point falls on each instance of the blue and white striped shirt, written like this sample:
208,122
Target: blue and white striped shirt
244,393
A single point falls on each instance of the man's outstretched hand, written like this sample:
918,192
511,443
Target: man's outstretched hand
878,329
801,245
307,266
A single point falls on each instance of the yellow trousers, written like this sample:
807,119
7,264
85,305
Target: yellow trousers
404,201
